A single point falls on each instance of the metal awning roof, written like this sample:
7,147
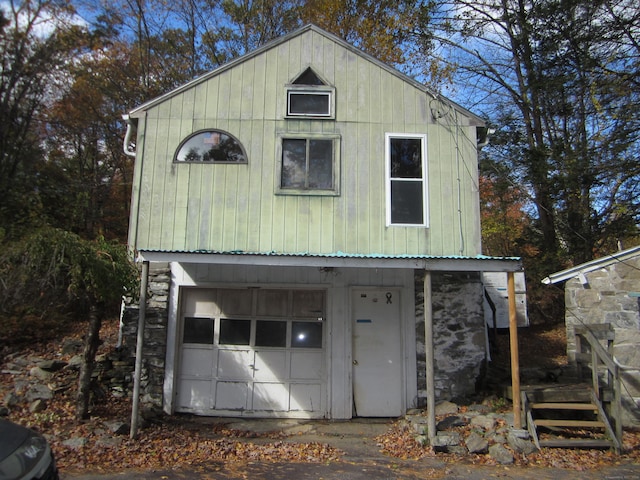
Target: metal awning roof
591,266
338,259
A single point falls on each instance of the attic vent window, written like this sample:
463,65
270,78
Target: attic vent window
310,96
308,77
211,146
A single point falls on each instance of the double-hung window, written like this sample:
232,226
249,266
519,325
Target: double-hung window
406,191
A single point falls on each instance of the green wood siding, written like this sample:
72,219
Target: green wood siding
191,206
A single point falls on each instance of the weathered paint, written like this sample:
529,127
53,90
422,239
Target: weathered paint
458,331
187,207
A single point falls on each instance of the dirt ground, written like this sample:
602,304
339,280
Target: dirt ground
539,346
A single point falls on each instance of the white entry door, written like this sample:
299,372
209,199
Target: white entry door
377,354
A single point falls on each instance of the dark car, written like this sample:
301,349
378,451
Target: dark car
24,454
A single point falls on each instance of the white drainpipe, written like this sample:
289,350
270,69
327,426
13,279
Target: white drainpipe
131,127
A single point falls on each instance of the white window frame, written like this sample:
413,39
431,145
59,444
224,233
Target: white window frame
388,180
329,92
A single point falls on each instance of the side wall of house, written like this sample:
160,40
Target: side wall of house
458,330
611,297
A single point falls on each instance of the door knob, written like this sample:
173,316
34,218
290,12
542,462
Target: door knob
355,362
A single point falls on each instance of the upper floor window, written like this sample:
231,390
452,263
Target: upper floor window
309,164
213,146
406,179
309,96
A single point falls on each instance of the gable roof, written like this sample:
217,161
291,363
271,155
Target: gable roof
597,264
138,111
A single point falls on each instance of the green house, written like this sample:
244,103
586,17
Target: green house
319,214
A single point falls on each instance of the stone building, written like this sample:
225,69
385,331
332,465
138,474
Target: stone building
607,291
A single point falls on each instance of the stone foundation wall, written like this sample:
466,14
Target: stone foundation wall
609,298
155,342
459,334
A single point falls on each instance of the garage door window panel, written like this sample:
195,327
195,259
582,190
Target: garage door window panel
271,333
306,334
198,330
235,332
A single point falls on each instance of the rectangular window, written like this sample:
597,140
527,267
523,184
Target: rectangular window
306,335
235,332
279,318
315,102
406,179
198,330
309,165
271,333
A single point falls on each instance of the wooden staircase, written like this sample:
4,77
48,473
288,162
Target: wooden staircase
567,416
579,415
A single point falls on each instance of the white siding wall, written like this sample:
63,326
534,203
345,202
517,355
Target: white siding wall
338,284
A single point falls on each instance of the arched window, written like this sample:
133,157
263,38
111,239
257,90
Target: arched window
214,146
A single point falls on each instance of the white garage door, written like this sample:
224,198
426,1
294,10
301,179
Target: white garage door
254,352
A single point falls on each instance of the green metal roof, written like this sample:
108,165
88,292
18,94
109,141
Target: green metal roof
338,259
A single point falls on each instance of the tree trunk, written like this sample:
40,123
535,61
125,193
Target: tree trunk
88,361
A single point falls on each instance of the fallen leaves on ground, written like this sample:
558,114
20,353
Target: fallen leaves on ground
400,442
165,444
177,443
159,447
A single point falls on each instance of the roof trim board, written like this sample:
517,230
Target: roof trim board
591,266
339,259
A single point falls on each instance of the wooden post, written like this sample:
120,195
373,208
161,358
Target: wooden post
617,403
139,343
429,360
513,343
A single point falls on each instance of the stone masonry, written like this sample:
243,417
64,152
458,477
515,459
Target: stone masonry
459,334
611,296
155,339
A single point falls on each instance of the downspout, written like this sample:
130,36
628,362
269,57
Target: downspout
131,128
